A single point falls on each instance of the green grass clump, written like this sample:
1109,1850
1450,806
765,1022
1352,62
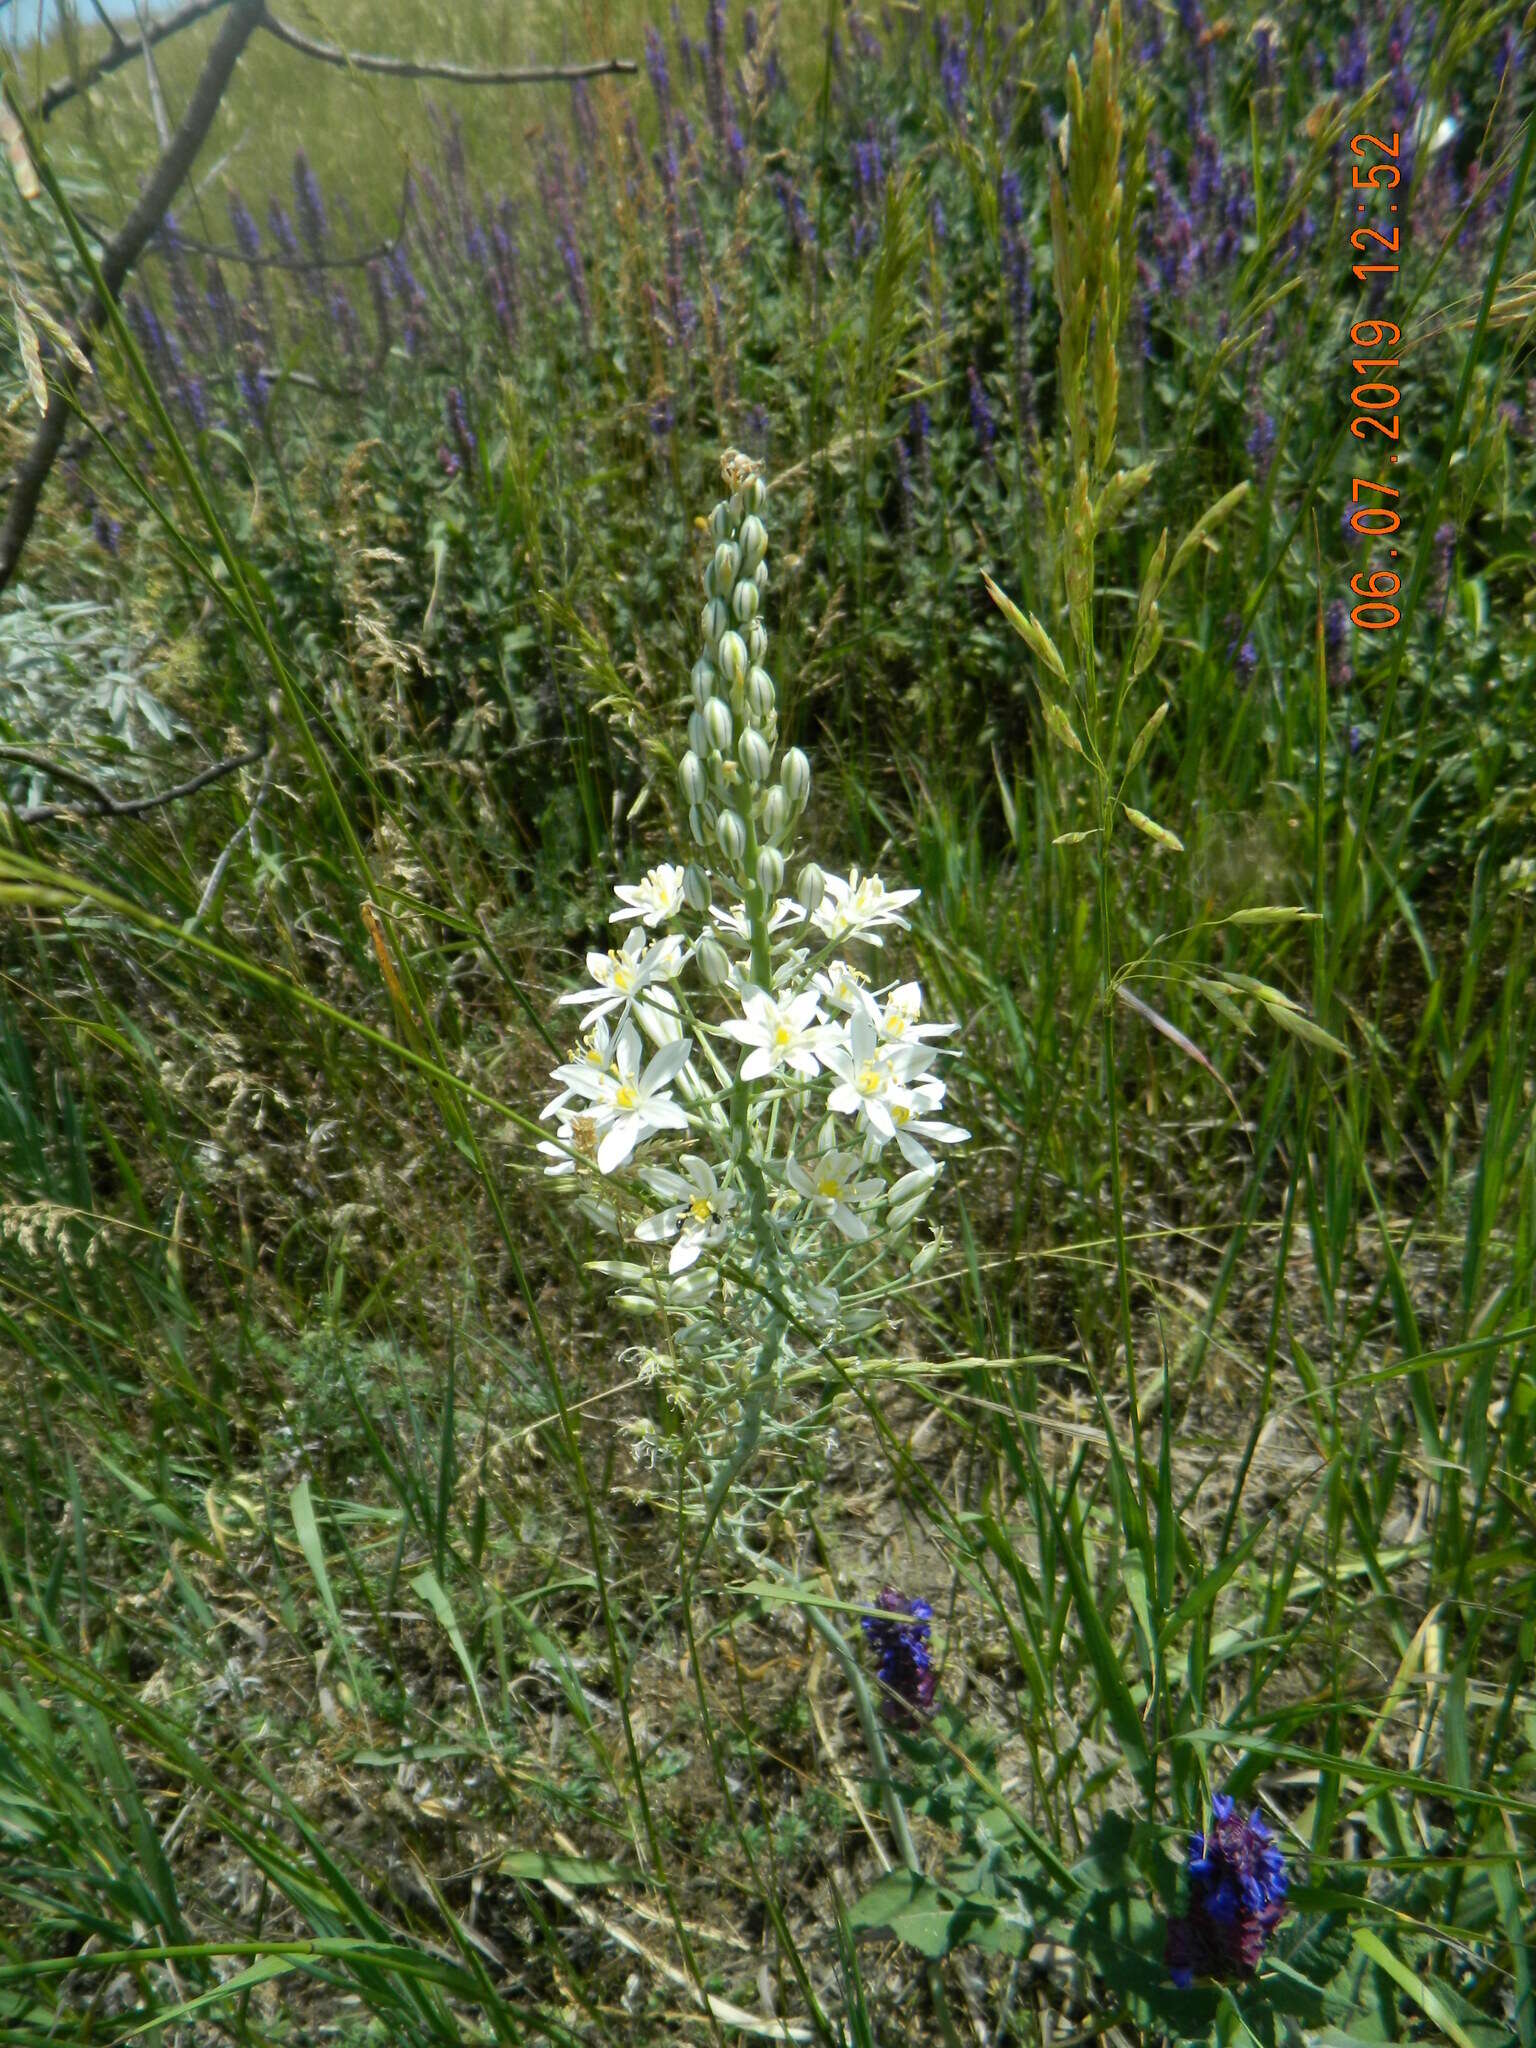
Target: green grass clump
357,1679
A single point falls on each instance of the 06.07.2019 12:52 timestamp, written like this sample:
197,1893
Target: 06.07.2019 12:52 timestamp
1374,400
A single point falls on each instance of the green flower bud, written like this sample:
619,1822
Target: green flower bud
717,723
702,681
760,698
770,873
755,495
755,756
811,887
754,542
744,603
695,888
720,521
714,620
731,835
733,657
795,774
696,824
757,641
698,732
690,774
774,815
736,509
727,562
923,1259
714,961
760,577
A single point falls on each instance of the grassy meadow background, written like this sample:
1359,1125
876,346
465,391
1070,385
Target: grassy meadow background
360,1680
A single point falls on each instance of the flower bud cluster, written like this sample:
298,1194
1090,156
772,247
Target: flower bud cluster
738,806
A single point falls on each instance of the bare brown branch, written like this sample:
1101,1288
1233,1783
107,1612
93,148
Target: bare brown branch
123,52
117,259
96,803
450,74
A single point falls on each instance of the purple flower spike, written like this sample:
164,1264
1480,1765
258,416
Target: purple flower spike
308,205
901,1643
1237,1887
466,447
247,234
660,74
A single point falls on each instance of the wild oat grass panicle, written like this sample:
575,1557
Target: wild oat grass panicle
751,1102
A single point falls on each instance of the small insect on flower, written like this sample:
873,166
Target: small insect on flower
699,1215
899,1638
1237,1887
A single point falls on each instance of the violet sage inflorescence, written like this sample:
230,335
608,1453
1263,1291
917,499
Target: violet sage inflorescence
751,1099
899,1638
1237,1887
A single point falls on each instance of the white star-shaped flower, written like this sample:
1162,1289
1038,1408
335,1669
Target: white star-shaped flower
636,968
780,1034
873,1077
654,900
915,1119
858,909
627,1105
842,985
900,1013
832,1184
734,920
595,1051
697,1216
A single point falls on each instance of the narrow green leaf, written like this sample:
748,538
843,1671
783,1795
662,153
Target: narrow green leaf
427,1586
1113,1690
573,1871
262,1971
301,1506
1415,1987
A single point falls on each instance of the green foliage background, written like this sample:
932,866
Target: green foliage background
352,1677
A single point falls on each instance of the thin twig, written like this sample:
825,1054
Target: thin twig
107,22
221,865
152,73
453,74
101,805
123,52
56,769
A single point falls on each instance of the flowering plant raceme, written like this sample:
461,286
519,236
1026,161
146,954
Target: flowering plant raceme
752,1105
